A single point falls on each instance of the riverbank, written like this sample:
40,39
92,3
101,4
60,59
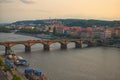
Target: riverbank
7,72
47,37
26,34
2,75
10,68
41,36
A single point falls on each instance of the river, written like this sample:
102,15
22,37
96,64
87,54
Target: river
96,63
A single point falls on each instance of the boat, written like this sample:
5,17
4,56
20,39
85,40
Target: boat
11,55
8,63
32,74
20,61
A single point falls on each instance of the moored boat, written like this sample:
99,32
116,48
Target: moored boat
21,61
32,74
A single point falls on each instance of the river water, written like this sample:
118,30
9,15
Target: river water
97,63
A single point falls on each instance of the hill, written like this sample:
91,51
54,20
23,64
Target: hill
70,22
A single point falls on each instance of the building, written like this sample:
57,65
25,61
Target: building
117,31
108,33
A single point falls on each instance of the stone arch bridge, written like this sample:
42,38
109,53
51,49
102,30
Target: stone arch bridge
46,43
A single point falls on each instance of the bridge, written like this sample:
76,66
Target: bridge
46,43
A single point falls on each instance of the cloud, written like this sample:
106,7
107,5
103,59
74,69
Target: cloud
5,1
27,1
23,1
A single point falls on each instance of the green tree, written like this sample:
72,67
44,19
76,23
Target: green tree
4,29
96,37
15,77
54,30
1,62
7,68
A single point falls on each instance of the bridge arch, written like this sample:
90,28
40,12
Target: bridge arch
78,44
71,44
87,43
18,47
55,45
37,46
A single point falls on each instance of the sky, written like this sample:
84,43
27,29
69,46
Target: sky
17,10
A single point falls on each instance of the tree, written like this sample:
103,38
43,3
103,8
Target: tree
96,37
15,77
7,68
54,30
1,62
4,29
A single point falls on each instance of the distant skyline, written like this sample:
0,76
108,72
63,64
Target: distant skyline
17,10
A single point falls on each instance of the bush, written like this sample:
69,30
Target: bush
7,68
15,77
1,62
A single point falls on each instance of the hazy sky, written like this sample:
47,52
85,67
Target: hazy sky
14,10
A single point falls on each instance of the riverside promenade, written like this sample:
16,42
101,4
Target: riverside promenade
8,75
2,76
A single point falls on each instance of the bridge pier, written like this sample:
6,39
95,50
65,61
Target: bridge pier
78,45
7,49
90,45
63,46
46,47
27,48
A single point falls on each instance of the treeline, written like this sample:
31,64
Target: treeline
4,29
30,31
89,23
71,22
30,22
